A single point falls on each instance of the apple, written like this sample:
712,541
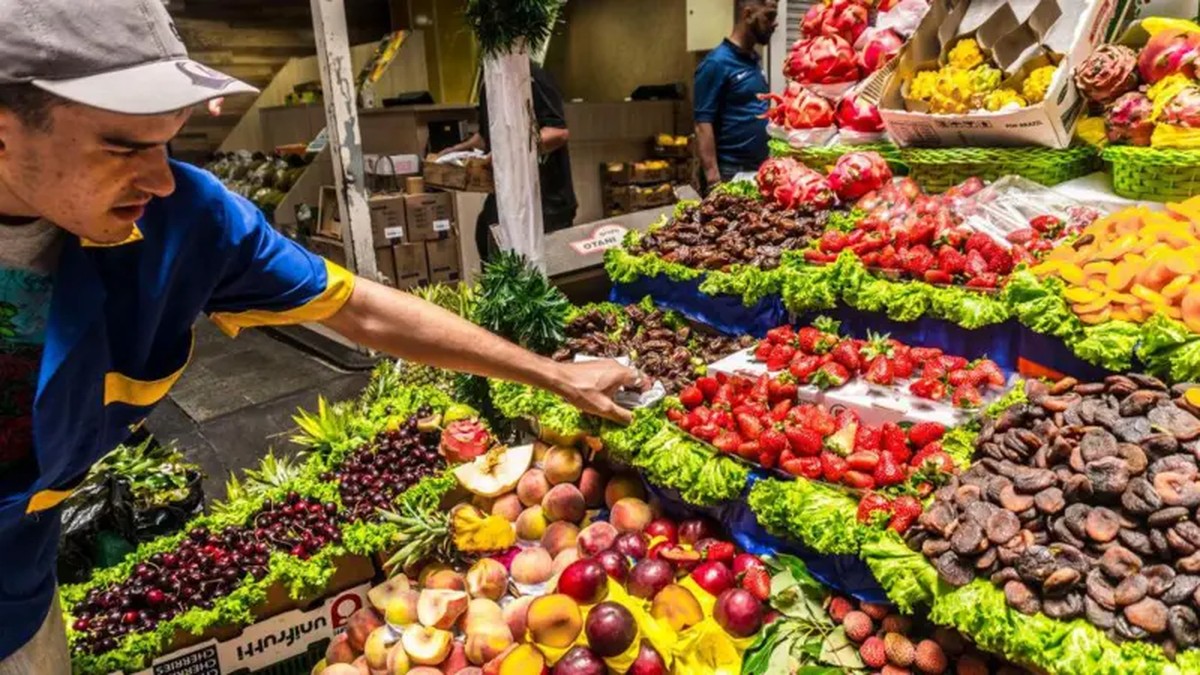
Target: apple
744,562
586,581
695,529
648,577
610,629
648,662
615,564
662,527
632,544
580,661
738,612
713,577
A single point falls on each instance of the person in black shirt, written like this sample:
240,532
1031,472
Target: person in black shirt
554,161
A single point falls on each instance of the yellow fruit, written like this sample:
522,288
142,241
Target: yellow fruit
1192,396
1120,315
1091,307
1078,294
1098,285
1118,248
1136,313
1190,309
1184,262
1071,274
1120,277
1124,299
1096,318
1098,268
1141,292
1176,288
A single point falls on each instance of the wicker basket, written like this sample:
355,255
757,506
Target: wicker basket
821,157
1154,174
938,169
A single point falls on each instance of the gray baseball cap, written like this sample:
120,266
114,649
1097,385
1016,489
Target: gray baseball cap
123,56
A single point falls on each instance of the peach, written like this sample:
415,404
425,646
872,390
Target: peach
554,621
488,642
402,610
426,670
471,671
430,570
480,612
596,537
426,646
515,614
564,558
532,487
456,661
361,667
483,503
621,486
379,642
487,579
531,524
560,536
540,449
509,506
563,465
382,595
591,484
440,608
675,606
631,514
564,502
524,660
340,669
359,626
397,661
532,566
339,650
446,579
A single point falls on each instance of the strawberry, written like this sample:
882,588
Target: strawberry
833,241
1022,236
989,369
966,396
758,582
720,551
923,433
819,257
763,351
781,335
999,261
804,442
780,357
950,363
705,432
863,460
917,260
1046,223
833,467
978,241
985,280
905,511
803,367
868,437
871,504
950,260
749,451
976,264
807,467
807,339
924,354
892,438
960,377
780,411
869,259
727,441
937,277
858,480
821,421
676,416
691,397
880,371
830,376
933,458
921,232
927,388
889,471
903,365
782,389
888,259
772,441
707,386
749,425
846,353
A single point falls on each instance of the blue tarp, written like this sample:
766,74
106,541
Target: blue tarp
725,313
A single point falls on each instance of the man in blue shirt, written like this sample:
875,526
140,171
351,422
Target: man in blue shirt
730,134
109,252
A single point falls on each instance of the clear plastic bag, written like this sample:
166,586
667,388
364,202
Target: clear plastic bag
1010,203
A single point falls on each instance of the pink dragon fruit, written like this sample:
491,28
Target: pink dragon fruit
887,5
814,18
857,173
777,112
1183,110
1107,73
855,114
1129,119
825,59
846,19
803,110
883,46
803,188
771,173
1167,53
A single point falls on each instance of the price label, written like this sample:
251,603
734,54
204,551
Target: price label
441,225
393,232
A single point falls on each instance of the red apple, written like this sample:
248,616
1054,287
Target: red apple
662,527
695,529
585,581
713,577
610,629
738,612
580,661
648,577
744,562
615,564
632,544
648,662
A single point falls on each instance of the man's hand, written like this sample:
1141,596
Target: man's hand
591,385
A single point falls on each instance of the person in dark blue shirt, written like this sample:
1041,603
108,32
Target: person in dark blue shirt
730,134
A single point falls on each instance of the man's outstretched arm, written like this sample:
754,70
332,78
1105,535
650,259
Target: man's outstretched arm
403,325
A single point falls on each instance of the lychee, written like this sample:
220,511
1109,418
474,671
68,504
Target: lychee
873,653
858,626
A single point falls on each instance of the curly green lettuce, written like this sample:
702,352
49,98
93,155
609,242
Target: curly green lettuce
1109,345
820,516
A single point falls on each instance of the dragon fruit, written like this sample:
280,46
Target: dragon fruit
464,440
1129,119
1167,53
803,188
813,20
825,59
857,173
855,114
1107,73
1183,110
846,19
771,173
883,46
802,110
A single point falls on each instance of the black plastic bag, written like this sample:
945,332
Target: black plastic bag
101,505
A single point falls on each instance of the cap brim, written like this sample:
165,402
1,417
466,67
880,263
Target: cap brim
148,89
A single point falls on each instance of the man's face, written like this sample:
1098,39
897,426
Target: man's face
763,20
90,172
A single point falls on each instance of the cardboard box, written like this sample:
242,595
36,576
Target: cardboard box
388,214
627,173
334,250
475,176
1011,31
412,267
630,198
428,216
445,263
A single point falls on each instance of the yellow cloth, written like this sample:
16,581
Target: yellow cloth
706,648
659,637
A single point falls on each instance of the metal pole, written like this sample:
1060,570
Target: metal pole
345,142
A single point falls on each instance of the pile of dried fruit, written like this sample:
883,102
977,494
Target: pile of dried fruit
660,343
1083,506
818,355
725,230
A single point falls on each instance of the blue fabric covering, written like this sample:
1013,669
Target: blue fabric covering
725,313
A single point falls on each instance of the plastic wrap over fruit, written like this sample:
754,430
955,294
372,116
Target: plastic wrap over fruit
1107,73
1178,115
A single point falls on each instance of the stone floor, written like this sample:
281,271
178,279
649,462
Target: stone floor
237,398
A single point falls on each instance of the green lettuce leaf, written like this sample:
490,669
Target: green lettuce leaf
1109,345
907,577
1169,349
1039,305
750,283
820,516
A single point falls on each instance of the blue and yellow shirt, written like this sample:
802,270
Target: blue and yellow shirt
117,337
